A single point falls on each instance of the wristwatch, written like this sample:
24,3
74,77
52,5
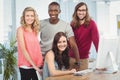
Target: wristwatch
77,63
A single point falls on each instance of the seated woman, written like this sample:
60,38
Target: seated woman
57,59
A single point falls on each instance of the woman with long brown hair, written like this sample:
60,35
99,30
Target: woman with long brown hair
57,59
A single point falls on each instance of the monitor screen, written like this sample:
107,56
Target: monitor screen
107,52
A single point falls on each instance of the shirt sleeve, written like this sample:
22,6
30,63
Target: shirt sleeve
69,31
95,35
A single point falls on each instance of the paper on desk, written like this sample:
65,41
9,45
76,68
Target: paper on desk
80,73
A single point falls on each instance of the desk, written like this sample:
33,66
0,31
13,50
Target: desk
89,76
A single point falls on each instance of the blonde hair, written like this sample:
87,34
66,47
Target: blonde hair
36,23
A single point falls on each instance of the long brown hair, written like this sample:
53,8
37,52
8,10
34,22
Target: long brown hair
35,25
75,22
62,60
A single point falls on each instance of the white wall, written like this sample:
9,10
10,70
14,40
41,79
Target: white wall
103,18
67,8
114,11
106,17
1,20
1,28
7,19
41,6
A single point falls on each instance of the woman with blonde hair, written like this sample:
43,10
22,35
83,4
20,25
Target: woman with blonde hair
30,58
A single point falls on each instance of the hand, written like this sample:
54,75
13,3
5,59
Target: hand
38,69
73,70
77,67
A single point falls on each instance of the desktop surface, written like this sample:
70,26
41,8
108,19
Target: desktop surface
89,76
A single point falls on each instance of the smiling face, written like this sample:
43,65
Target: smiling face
29,17
54,11
81,12
62,44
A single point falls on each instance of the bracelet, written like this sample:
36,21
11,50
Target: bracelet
77,63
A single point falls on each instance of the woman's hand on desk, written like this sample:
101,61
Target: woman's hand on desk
73,70
77,65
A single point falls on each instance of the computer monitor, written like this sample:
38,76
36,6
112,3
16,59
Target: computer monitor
107,56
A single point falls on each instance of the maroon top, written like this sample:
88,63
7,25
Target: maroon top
84,37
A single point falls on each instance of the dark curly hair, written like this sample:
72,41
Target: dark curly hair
62,60
54,3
